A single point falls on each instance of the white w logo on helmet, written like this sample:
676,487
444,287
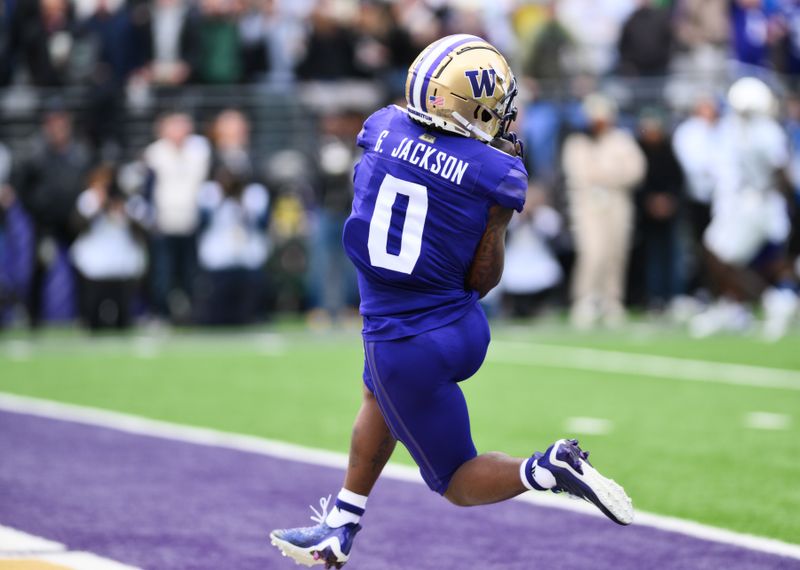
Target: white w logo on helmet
482,82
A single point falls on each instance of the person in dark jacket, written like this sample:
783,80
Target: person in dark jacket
48,181
645,43
330,49
659,198
167,36
41,36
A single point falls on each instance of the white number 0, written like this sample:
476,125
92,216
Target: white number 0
411,241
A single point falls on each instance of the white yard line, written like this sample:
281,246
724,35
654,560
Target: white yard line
204,436
13,541
665,367
17,545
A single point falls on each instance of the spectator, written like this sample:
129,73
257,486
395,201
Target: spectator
230,135
168,36
703,23
256,41
695,142
330,49
6,57
383,49
43,34
179,163
645,43
660,197
109,253
219,57
332,277
233,245
233,248
49,179
550,49
273,32
602,167
531,270
595,26
787,32
751,31
110,29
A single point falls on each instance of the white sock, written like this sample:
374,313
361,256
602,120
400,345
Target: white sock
349,508
544,478
534,477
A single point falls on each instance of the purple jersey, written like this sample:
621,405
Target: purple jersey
421,205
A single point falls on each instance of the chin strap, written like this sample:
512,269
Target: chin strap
471,128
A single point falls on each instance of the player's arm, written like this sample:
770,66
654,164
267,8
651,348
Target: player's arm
487,264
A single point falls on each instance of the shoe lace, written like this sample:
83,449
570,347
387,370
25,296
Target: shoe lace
319,517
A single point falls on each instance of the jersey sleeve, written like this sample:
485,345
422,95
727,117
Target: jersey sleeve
512,188
373,126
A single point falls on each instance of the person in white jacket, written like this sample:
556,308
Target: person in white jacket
109,253
602,168
696,142
179,163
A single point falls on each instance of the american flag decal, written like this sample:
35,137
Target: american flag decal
436,100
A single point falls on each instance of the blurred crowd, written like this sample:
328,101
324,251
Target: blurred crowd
623,107
134,43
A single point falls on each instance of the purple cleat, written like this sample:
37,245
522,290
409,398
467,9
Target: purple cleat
319,544
575,476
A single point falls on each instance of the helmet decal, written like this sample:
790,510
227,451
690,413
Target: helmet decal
484,86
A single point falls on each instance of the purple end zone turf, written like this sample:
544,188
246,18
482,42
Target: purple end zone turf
165,505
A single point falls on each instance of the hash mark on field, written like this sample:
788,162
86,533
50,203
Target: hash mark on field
19,350
588,426
767,421
146,347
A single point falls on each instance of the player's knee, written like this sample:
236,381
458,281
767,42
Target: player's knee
457,498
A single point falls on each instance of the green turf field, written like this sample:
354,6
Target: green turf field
680,447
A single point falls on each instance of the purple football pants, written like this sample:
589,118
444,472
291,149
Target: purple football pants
415,381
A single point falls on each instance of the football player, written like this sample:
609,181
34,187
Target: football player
750,225
434,192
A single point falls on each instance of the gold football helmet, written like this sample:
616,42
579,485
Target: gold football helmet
463,85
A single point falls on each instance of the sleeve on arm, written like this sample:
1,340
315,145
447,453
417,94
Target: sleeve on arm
366,137
511,191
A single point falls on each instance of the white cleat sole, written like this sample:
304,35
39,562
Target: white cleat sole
299,555
305,556
608,492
